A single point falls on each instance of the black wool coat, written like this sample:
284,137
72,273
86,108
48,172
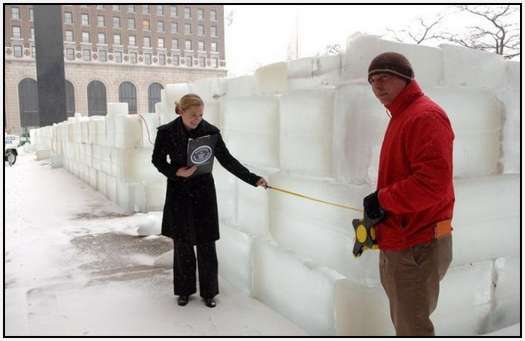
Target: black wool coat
190,209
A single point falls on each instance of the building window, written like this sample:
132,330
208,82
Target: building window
174,27
86,55
116,22
187,28
145,24
16,32
101,37
101,21
68,18
84,19
69,35
17,50
33,51
213,47
96,98
189,61
162,59
145,9
28,99
147,58
116,39
83,6
213,15
102,56
200,14
116,8
202,61
175,60
70,54
147,42
131,23
160,10
32,34
118,56
131,8
15,13
201,46
160,26
127,93
153,95
85,37
31,16
70,99
187,45
187,13
100,6
160,43
213,30
133,57
213,62
131,40
200,30
173,11
174,44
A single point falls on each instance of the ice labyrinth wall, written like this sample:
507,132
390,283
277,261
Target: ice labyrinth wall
313,126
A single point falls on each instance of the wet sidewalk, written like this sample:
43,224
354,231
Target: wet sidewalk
74,266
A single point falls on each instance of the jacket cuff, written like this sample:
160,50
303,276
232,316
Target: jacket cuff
381,198
255,178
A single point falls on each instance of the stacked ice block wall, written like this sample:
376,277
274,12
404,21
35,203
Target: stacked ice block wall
113,154
40,142
313,126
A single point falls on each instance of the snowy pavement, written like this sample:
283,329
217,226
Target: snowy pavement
75,266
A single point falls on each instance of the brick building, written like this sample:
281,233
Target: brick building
113,53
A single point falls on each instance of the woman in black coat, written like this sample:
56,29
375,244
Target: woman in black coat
190,211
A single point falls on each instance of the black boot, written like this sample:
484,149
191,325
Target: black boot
210,302
182,300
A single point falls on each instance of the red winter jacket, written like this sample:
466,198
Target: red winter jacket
415,171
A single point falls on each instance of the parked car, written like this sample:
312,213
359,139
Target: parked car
11,144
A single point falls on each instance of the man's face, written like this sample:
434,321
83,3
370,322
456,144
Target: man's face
386,87
192,116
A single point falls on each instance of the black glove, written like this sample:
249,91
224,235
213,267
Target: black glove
372,208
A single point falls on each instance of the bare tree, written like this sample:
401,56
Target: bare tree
423,32
498,31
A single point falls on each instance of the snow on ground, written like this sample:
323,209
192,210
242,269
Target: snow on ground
514,330
76,265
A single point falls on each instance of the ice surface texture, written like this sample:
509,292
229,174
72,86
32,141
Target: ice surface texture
314,72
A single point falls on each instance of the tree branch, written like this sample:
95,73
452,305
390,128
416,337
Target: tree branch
413,35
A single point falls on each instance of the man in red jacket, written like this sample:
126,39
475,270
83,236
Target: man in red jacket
414,197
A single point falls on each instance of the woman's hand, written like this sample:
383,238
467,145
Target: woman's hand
185,172
262,182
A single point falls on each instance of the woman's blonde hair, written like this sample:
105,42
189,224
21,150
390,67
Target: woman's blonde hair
187,101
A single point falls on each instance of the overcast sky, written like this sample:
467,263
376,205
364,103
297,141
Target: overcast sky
259,35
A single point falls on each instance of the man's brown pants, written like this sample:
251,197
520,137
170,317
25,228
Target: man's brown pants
411,281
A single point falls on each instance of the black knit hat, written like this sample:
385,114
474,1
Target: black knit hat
393,63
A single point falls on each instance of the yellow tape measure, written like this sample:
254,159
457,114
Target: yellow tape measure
314,199
365,237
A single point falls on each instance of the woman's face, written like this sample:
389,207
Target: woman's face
192,116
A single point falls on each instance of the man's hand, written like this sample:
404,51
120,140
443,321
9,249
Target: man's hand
262,182
185,172
372,208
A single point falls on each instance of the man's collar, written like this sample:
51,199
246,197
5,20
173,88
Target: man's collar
405,97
